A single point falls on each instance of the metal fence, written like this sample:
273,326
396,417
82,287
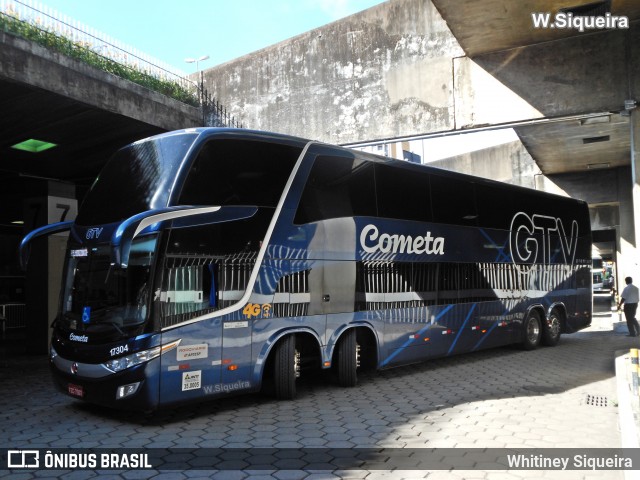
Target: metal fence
49,20
40,18
214,114
13,315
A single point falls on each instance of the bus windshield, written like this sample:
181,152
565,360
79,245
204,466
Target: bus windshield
143,173
97,292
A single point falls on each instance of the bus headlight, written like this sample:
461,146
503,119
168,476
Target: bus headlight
127,390
122,363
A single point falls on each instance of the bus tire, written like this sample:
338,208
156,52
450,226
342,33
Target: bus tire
285,368
531,331
347,359
551,329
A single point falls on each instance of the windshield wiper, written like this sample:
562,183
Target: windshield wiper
116,326
110,323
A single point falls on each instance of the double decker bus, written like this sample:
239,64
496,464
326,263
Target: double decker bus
210,262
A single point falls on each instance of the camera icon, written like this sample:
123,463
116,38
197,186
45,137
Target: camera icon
23,459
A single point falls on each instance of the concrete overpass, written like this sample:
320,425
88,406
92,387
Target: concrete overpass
583,85
413,69
88,114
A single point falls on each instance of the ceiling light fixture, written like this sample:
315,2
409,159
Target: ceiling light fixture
603,138
34,146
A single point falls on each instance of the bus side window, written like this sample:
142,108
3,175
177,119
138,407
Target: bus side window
337,187
210,285
583,277
453,201
488,215
403,193
237,172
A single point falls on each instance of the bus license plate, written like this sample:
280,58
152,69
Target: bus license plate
75,390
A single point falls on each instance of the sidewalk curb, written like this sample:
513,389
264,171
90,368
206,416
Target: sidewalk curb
626,420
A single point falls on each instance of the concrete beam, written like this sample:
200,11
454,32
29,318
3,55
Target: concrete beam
26,62
589,73
508,163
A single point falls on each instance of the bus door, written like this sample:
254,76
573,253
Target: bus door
236,364
338,294
194,368
333,280
186,295
233,278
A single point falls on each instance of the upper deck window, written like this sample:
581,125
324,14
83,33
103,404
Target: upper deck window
403,193
338,187
137,178
453,201
239,172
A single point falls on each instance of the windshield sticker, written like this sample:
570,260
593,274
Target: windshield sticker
191,380
190,352
86,314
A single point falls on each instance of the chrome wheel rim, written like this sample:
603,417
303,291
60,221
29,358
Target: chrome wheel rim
533,330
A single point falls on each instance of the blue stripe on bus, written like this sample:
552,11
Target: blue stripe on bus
466,320
484,337
501,252
410,341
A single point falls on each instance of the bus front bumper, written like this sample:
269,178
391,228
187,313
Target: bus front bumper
136,388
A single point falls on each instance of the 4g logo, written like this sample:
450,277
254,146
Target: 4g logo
252,310
256,310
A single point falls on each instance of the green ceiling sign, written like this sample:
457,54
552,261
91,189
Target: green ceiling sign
34,146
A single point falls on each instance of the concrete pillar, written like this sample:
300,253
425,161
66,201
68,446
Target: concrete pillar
44,271
629,208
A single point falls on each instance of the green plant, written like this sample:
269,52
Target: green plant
82,52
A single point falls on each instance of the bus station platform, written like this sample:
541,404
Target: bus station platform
565,397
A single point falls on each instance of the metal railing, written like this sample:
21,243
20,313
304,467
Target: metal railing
37,22
214,114
44,18
13,315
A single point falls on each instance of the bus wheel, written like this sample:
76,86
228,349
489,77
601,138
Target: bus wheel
532,331
551,329
348,359
286,368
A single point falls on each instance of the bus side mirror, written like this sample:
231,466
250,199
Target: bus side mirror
180,217
25,245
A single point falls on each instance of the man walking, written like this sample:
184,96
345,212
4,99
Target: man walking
629,298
